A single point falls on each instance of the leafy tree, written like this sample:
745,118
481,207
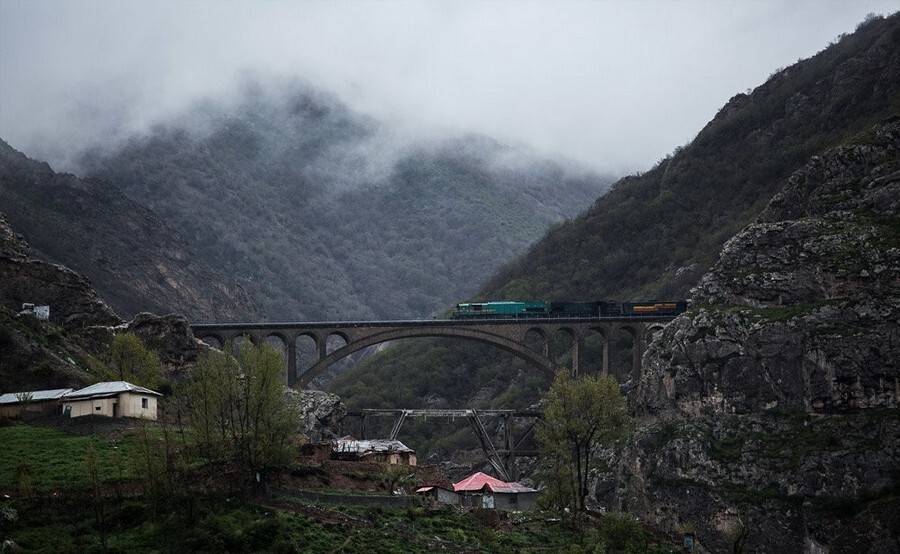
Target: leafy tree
580,416
239,410
24,399
130,360
396,476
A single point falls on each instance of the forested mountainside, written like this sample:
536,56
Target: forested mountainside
320,213
135,261
655,234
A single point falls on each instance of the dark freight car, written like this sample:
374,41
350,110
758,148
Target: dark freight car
652,308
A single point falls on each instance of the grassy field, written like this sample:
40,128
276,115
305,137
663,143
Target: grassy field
60,511
55,459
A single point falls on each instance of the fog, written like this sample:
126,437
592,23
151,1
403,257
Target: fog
615,85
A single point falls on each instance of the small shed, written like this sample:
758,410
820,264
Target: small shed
112,399
483,491
40,312
12,404
373,450
438,495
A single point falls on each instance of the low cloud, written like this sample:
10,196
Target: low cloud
614,84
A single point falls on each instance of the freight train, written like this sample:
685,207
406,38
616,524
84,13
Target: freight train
595,309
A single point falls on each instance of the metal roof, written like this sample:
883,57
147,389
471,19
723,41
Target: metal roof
36,396
109,388
370,445
480,481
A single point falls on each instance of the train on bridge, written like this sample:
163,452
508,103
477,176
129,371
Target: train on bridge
598,308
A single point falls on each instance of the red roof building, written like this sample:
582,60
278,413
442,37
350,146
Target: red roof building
483,491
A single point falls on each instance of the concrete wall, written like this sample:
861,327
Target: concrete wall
126,405
500,501
516,501
393,458
13,411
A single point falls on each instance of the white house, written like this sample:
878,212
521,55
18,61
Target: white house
112,399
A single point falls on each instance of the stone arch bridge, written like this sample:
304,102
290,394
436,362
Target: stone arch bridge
527,338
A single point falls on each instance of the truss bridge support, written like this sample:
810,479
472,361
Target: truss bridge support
503,459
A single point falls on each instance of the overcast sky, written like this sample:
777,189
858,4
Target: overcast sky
612,83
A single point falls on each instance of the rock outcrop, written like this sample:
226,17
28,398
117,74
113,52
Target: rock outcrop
320,413
73,303
170,336
769,411
36,355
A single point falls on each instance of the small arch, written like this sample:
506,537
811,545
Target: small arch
622,346
213,340
562,346
535,339
279,343
306,352
276,339
652,331
335,341
594,352
241,340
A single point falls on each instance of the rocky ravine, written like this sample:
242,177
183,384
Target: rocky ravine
768,413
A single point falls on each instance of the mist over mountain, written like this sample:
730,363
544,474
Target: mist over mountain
319,212
654,234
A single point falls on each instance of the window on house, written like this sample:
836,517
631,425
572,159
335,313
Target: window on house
98,408
144,403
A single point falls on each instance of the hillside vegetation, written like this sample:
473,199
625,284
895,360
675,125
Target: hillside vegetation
321,213
652,235
134,260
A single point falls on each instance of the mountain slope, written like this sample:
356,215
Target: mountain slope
654,235
635,239
132,258
321,213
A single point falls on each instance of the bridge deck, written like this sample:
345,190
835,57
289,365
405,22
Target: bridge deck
462,322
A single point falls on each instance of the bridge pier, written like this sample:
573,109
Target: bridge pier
291,353
606,356
577,347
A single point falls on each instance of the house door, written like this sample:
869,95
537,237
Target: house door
115,409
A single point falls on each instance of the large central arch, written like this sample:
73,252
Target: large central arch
517,348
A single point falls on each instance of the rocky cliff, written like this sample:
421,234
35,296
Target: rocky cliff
60,353
769,411
73,302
